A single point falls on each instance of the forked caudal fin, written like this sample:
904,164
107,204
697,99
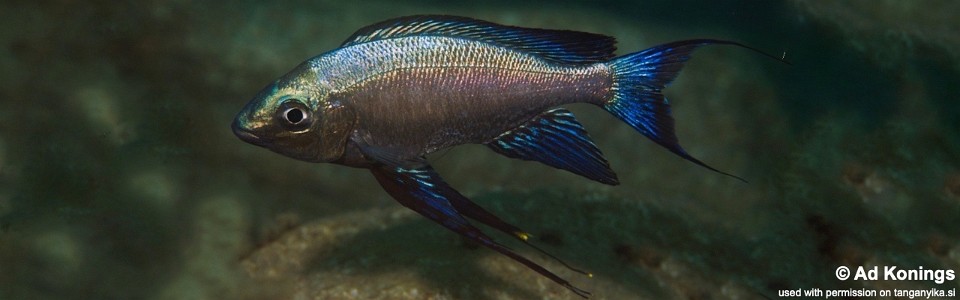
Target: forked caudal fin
638,79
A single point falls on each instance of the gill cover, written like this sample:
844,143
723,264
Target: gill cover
336,123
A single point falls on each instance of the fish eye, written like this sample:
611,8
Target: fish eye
293,115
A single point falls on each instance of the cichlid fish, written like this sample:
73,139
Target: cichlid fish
407,87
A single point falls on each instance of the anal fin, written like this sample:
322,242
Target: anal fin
556,139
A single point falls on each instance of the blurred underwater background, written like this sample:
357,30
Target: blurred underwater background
120,177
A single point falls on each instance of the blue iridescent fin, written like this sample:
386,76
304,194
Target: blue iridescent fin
476,212
423,191
556,138
556,45
638,79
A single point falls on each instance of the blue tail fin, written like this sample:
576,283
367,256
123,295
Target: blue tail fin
638,79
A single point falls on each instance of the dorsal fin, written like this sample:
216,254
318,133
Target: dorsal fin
557,45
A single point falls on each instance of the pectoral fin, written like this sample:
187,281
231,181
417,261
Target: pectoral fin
556,138
391,157
423,191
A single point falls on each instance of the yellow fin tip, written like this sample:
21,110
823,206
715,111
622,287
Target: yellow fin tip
522,235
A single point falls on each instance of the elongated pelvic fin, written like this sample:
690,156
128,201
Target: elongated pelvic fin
556,139
476,212
423,191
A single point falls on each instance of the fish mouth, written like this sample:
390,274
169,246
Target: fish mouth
247,136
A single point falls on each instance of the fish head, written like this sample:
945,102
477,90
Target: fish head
288,117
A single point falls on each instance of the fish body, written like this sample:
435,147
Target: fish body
421,94
404,88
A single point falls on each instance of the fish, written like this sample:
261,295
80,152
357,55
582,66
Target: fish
401,89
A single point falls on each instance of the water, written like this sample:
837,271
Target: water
120,178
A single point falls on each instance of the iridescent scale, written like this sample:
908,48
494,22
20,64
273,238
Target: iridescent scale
422,94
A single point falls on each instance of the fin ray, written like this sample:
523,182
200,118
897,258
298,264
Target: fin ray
423,191
390,156
563,46
638,79
556,139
